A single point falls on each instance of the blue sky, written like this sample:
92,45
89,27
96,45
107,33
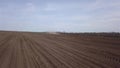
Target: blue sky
60,15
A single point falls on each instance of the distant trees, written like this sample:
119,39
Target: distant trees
112,35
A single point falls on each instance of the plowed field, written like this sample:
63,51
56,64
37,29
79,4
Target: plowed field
45,50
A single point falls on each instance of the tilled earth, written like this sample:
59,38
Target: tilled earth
45,50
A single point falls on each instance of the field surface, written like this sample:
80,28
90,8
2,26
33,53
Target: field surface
58,50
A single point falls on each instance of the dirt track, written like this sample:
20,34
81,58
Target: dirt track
42,50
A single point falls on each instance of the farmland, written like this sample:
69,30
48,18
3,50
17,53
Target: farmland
59,50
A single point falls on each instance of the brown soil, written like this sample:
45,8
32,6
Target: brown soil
45,50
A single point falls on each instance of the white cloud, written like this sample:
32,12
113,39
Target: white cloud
30,7
99,14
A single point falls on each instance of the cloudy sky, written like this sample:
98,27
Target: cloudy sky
60,15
